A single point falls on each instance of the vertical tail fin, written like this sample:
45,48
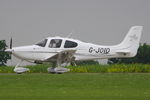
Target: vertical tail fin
131,42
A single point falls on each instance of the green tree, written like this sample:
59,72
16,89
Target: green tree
143,56
4,56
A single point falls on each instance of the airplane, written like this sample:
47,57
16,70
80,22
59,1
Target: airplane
62,51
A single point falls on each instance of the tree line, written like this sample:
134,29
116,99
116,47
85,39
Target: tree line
4,56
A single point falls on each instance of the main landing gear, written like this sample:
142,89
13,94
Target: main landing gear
57,70
57,66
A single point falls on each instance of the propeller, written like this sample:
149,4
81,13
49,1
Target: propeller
10,50
10,47
11,43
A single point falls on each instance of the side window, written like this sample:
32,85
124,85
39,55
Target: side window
70,44
55,43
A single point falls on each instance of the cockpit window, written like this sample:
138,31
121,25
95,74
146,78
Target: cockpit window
42,43
55,43
70,44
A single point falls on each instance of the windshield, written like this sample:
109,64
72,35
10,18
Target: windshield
42,43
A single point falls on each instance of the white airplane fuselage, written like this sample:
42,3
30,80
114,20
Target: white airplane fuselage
84,51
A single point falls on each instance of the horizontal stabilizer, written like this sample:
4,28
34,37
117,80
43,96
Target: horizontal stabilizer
123,51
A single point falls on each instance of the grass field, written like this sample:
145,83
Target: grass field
95,68
75,86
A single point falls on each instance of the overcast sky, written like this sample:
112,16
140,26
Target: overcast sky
103,22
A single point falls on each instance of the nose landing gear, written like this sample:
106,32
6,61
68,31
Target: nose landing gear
20,70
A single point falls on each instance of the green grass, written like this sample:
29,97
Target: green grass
114,68
75,86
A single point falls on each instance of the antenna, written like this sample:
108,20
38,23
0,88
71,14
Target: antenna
70,34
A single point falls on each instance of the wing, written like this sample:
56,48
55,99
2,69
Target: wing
63,56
